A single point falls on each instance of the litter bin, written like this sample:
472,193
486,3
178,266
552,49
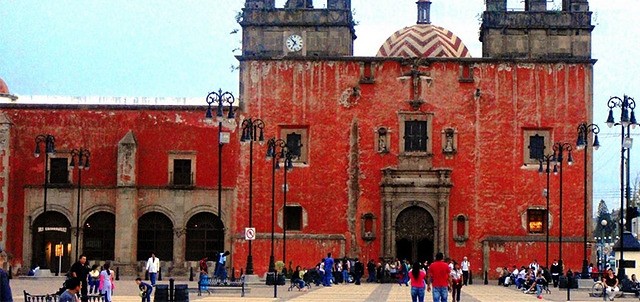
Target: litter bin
271,278
181,293
161,293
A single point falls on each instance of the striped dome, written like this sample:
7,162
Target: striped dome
4,89
424,40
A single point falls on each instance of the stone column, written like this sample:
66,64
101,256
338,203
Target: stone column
179,246
126,204
5,153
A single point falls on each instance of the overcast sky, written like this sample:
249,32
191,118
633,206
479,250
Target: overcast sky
186,49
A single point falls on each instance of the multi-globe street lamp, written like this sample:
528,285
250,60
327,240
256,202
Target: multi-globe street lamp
546,159
80,160
252,130
220,99
583,143
627,121
49,142
559,149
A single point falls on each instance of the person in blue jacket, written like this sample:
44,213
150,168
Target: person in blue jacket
328,267
5,289
145,290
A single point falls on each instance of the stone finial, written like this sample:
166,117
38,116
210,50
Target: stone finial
260,4
127,160
297,4
424,11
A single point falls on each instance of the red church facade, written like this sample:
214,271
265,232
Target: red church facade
395,156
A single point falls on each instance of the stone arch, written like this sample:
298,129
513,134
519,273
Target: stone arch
155,235
205,235
37,212
159,209
96,209
415,233
49,229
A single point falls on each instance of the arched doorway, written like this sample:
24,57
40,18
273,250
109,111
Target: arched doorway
55,228
414,234
205,236
155,235
99,235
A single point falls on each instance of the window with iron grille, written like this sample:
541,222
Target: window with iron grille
294,143
59,170
182,172
536,146
293,218
415,136
536,143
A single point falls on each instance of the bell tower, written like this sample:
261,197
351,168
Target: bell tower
297,30
537,32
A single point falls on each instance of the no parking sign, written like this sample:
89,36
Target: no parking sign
249,233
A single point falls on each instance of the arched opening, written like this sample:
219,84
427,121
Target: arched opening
205,236
155,235
55,229
414,234
99,235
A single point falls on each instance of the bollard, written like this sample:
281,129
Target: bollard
146,276
117,273
10,272
233,274
171,290
470,278
569,284
191,274
486,277
159,274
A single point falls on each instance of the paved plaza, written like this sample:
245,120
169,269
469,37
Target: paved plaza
126,291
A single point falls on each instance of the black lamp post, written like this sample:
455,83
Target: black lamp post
220,99
288,165
275,150
546,159
82,156
49,142
558,153
252,130
626,103
583,143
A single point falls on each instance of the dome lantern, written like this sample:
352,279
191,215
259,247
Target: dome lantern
424,11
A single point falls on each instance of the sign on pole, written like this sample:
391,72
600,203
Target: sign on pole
249,233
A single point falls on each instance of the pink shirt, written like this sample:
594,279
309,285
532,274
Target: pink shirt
419,282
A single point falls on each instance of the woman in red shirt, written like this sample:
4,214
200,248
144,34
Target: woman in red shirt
417,276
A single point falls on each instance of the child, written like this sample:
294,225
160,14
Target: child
145,290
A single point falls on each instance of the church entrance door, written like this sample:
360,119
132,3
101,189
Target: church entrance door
414,234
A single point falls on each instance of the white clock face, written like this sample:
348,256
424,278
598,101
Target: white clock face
294,43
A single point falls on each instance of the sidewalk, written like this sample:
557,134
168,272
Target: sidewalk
126,291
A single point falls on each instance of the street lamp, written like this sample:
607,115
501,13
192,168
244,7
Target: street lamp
49,142
252,130
558,153
276,149
626,121
82,156
583,143
220,99
546,159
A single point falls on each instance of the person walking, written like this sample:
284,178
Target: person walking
106,281
465,266
440,277
221,270
5,288
457,277
328,267
80,270
346,268
417,278
358,271
153,266
371,269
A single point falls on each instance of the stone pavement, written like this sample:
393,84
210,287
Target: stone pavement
126,291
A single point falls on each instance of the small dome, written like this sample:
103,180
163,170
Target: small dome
4,89
424,40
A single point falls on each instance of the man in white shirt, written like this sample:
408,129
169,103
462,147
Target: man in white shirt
465,265
153,265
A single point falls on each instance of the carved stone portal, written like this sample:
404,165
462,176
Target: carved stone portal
415,213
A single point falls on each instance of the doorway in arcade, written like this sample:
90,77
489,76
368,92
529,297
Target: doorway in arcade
54,254
414,235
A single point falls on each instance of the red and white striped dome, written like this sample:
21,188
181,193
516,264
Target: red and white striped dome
424,40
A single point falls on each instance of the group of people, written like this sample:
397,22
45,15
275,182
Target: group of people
439,277
219,271
82,280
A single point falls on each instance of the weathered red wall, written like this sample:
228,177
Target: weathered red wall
99,128
490,185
